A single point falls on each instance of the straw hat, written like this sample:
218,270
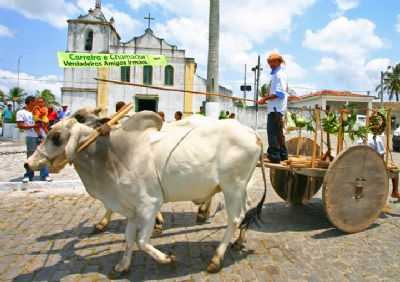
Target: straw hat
275,56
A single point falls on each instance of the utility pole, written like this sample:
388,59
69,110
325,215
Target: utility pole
18,69
212,105
382,75
245,82
257,69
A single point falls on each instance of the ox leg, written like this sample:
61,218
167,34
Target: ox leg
145,227
204,211
130,236
239,243
233,202
102,225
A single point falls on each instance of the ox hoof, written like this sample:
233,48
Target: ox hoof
238,246
115,275
215,265
201,218
171,258
98,228
157,231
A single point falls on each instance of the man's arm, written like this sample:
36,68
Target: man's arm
266,98
23,125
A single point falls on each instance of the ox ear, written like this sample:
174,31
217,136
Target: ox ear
142,121
97,111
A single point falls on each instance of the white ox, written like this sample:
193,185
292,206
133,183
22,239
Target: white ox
138,168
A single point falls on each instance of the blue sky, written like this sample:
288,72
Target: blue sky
328,44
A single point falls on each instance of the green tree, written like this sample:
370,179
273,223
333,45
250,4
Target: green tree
265,89
16,95
391,82
48,96
2,96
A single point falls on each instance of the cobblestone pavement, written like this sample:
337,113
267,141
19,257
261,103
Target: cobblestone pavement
47,237
12,166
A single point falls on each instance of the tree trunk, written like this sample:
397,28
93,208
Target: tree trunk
213,51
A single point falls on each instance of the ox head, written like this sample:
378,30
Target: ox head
63,139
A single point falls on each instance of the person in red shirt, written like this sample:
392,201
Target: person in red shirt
52,116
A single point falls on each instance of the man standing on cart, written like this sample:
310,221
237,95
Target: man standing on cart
276,109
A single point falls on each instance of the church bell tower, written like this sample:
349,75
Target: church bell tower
92,32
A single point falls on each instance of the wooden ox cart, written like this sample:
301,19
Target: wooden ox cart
354,184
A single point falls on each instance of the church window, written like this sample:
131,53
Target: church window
89,41
125,74
169,75
147,75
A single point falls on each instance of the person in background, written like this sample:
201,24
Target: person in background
119,105
178,115
40,115
53,116
26,123
276,109
63,113
162,115
376,143
8,114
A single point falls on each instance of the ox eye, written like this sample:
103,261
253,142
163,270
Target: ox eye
56,139
80,118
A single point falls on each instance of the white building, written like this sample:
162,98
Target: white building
93,33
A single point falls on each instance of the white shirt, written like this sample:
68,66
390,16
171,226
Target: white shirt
278,86
27,118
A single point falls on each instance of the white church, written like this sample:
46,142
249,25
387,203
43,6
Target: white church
93,33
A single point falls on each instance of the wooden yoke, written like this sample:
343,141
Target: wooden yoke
388,135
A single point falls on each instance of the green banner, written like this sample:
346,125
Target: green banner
90,60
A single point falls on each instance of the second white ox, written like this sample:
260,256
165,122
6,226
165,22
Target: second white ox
138,168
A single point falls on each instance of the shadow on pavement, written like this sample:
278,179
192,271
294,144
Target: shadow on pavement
143,266
281,217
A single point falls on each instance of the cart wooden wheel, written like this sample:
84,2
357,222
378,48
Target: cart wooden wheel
355,189
291,187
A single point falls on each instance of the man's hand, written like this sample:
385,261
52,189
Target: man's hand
262,101
105,130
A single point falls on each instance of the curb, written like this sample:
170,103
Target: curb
70,185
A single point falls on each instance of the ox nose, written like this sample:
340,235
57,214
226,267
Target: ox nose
26,166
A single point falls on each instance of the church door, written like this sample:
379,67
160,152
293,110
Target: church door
146,104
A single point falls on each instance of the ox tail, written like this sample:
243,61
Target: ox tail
253,216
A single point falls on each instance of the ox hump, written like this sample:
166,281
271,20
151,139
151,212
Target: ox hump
142,121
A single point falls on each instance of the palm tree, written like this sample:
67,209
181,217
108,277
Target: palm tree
391,82
265,89
48,96
213,51
2,96
16,95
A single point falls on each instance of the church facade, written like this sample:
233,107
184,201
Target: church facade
93,33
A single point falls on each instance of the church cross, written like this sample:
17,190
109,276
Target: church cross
149,18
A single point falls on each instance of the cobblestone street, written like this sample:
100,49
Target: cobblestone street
46,235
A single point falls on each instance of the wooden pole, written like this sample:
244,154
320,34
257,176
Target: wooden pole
317,122
173,90
339,145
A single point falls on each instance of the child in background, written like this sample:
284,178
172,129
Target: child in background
40,116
